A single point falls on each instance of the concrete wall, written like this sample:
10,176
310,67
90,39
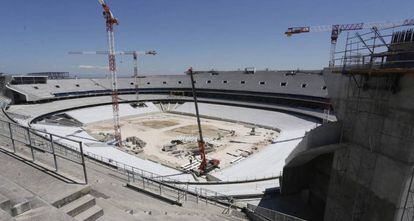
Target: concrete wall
314,143
370,175
308,167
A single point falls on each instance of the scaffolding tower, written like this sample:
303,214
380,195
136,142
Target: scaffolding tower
373,63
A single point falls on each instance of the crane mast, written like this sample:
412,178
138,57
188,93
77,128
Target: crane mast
110,22
205,165
200,142
135,57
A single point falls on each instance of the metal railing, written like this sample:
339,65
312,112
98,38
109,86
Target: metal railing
72,150
166,185
36,141
60,147
33,141
271,215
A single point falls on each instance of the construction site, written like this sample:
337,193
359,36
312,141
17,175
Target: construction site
248,144
171,139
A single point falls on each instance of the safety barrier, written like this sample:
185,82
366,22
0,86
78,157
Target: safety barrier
270,215
166,186
59,147
72,150
32,141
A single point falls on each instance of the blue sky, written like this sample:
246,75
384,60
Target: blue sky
219,34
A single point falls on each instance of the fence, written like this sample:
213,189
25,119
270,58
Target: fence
72,150
31,141
172,188
271,215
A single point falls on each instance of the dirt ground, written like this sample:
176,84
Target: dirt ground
229,141
156,124
192,130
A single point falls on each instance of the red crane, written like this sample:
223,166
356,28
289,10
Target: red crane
110,22
200,141
205,166
337,29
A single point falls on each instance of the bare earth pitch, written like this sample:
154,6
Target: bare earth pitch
171,139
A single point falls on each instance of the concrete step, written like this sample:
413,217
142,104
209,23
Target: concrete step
112,212
5,216
71,196
153,191
13,192
21,208
44,213
90,214
5,203
79,205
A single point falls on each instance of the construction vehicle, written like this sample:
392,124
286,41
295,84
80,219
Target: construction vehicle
337,29
205,166
212,164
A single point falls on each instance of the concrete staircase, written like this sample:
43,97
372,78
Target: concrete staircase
81,206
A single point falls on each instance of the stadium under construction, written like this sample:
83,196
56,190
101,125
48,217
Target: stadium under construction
330,144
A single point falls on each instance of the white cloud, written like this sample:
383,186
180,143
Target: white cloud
93,67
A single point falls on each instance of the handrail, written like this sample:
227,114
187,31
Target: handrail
128,170
131,171
22,134
271,215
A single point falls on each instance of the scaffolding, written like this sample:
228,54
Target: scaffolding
373,63
382,51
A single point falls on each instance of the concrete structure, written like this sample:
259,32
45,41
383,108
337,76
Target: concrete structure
300,88
363,168
376,159
267,163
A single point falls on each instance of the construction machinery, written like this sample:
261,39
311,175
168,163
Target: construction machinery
205,166
337,29
110,22
134,54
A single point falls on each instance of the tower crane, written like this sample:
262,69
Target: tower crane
338,28
110,22
135,57
134,54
